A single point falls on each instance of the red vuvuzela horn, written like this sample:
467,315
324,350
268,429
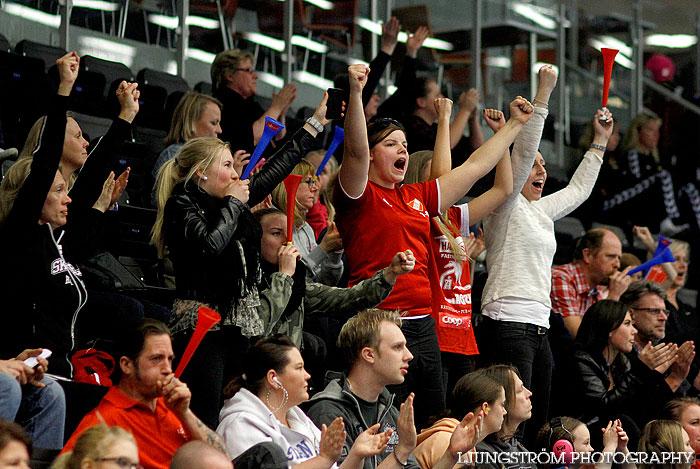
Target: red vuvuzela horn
608,61
291,183
206,319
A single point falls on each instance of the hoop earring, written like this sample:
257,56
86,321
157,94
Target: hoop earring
285,397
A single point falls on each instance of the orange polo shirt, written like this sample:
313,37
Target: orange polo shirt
158,434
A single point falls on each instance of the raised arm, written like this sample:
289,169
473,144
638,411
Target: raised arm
527,143
467,103
281,164
503,183
280,103
47,155
390,33
457,182
563,202
354,171
104,155
442,154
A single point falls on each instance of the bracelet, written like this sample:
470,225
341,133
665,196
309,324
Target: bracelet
403,464
597,147
535,100
313,122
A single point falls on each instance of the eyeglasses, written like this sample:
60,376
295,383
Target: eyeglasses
310,181
124,463
247,70
654,311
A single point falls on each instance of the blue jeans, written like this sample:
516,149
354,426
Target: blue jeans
526,347
41,411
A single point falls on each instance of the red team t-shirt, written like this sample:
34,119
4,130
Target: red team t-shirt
382,222
451,288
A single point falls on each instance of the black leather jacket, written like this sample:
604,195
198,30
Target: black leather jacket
637,388
198,230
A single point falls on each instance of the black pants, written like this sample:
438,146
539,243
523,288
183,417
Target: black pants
526,347
454,366
424,376
315,357
217,360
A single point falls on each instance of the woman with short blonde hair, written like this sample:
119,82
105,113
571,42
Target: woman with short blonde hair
196,115
101,447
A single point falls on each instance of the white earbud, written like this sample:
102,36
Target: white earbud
274,378
204,178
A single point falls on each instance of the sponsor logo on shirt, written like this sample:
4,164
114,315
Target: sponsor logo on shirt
455,321
418,206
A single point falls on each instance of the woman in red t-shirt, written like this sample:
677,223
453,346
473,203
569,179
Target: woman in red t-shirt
449,269
375,216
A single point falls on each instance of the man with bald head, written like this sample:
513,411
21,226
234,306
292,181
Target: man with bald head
199,455
577,286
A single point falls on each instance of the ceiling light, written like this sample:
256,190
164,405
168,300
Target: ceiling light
673,41
529,12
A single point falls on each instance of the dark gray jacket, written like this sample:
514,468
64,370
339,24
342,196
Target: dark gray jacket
338,401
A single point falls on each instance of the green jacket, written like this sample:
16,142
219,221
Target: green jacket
318,299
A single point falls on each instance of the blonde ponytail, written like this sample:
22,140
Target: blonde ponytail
197,153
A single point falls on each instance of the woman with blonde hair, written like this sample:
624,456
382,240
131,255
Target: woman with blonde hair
665,436
644,190
196,115
323,261
41,284
323,210
205,225
101,447
94,167
683,322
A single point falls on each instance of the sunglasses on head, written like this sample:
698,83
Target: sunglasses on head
384,122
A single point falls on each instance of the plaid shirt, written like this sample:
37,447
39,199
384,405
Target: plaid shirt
571,295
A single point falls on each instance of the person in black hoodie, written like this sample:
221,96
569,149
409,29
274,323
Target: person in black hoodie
40,284
213,240
106,311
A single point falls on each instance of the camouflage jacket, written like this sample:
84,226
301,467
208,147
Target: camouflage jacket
319,299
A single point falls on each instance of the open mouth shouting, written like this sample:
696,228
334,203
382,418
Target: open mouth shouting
400,164
538,184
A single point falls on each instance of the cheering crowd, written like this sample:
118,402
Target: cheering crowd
373,295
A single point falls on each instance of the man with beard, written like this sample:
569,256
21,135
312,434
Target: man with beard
148,400
576,286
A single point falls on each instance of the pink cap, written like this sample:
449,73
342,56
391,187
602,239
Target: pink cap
661,67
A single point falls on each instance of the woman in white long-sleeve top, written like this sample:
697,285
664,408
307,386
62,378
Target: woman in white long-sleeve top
520,243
